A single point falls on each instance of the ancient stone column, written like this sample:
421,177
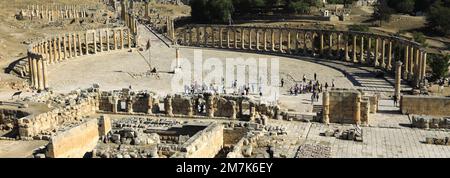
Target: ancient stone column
330,45
357,109
347,56
64,46
205,35
377,45
59,48
129,39
100,37
390,55
369,46
355,60
80,47
289,41
419,67
74,39
94,42
297,39
326,107
361,55
69,41
338,50
35,73
321,45
281,41
424,66
212,37
398,77
406,61
191,34
411,62
243,38
30,66
257,40
86,44
50,51
250,39
416,66
383,53
107,39
265,39
172,33
273,39
221,37
305,46
44,74
122,45
228,38
197,36
40,74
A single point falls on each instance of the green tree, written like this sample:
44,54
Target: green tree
419,38
299,7
211,11
439,65
405,6
382,11
439,16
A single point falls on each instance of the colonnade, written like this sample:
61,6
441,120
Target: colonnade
52,12
357,47
66,46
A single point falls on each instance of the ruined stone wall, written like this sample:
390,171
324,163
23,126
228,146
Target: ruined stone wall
77,141
44,122
425,105
346,106
136,102
205,144
223,106
178,105
8,118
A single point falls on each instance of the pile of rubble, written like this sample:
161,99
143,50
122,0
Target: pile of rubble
429,122
437,141
125,151
354,134
313,151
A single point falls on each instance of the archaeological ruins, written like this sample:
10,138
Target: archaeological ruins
105,91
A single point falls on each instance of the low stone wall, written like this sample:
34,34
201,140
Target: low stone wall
45,122
77,141
425,105
205,144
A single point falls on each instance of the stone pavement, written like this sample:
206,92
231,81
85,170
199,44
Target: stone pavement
379,142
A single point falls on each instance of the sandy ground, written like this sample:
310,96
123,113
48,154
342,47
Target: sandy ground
19,149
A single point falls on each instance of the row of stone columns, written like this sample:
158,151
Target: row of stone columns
371,49
70,45
38,72
52,13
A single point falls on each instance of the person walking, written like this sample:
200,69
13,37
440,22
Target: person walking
315,76
282,82
395,100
